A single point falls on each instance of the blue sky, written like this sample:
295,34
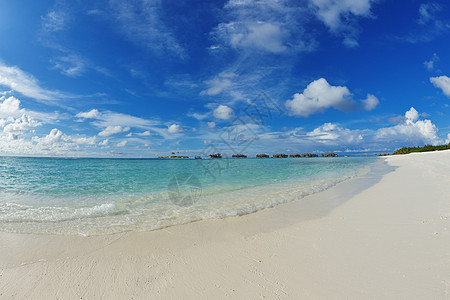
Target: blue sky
145,78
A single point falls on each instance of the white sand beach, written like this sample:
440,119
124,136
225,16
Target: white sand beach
373,237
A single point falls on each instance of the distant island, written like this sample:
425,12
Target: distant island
279,155
174,156
426,148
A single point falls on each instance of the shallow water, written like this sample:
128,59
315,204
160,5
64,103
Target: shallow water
101,196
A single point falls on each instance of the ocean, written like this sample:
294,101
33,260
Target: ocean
90,196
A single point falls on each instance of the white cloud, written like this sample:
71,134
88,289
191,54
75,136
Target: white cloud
105,119
412,131
54,137
71,65
19,126
337,16
211,125
264,36
427,12
326,137
223,112
218,84
333,13
430,64
318,96
174,128
10,106
84,140
330,133
92,114
145,133
54,20
104,142
370,103
110,130
198,116
263,26
56,143
24,83
442,82
122,144
57,137
411,115
110,118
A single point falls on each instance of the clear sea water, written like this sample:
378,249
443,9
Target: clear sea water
103,196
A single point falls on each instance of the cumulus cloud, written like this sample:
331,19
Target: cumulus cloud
19,126
411,131
110,130
26,84
318,96
443,83
411,115
54,137
10,106
58,143
104,142
174,128
330,133
211,125
326,137
92,114
370,103
223,112
145,133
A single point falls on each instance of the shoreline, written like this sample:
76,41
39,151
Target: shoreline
118,215
362,238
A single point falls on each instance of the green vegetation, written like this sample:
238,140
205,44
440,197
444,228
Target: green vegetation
406,150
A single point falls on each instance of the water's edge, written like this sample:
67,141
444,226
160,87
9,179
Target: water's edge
222,206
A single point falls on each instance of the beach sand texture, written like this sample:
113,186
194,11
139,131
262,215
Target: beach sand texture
373,237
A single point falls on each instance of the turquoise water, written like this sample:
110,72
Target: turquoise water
102,196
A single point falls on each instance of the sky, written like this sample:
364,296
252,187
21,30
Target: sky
145,78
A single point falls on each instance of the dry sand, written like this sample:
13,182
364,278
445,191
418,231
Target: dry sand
373,237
